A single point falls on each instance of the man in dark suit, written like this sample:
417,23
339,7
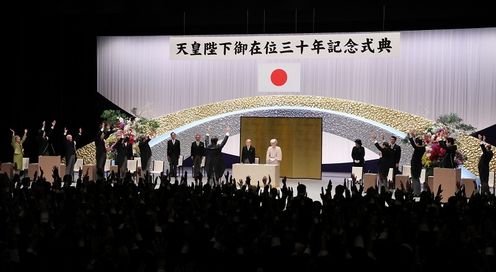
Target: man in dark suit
124,150
214,161
448,160
173,152
485,158
145,152
48,133
43,143
197,153
358,154
416,162
248,152
386,161
396,155
101,148
70,151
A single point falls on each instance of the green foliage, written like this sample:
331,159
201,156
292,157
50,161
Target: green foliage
146,126
112,116
453,121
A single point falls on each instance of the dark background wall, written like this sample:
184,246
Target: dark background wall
50,55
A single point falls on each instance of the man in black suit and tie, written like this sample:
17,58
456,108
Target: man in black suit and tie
416,162
396,155
101,148
45,138
386,161
248,152
197,153
124,152
173,152
145,152
43,143
448,160
214,161
70,151
485,158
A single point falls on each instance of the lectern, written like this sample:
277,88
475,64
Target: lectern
448,178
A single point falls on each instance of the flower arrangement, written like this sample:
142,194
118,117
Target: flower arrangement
449,125
122,124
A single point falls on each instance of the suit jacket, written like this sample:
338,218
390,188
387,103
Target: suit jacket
484,159
43,144
396,154
124,151
173,150
248,154
145,150
100,143
197,149
387,160
70,146
448,160
358,154
416,162
214,160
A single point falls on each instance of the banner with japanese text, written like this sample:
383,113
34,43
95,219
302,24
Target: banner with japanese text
285,46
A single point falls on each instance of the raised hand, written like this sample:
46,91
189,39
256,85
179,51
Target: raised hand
43,124
438,194
65,130
13,132
80,130
25,131
484,138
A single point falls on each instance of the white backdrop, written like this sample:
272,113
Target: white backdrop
438,71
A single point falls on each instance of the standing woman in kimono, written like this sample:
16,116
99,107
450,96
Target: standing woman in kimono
18,149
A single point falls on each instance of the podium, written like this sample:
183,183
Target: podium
407,170
90,169
470,186
369,180
32,169
47,163
257,172
430,184
62,170
7,168
357,171
448,178
401,179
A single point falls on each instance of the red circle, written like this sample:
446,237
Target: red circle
278,77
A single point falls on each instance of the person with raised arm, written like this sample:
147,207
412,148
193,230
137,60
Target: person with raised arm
70,150
386,161
214,161
17,143
416,161
483,166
